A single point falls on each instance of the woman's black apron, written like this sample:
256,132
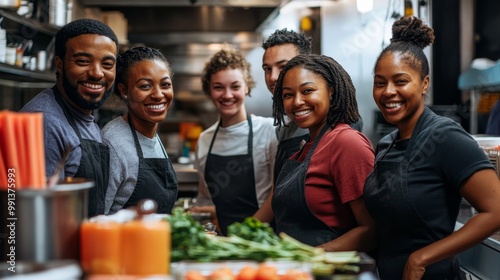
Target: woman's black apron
94,163
156,179
291,212
394,248
286,148
231,182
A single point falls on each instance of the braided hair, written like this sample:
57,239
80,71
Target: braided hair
223,60
132,56
343,104
409,37
301,41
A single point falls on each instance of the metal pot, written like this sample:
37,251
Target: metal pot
47,221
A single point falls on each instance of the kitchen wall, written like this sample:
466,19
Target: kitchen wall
351,38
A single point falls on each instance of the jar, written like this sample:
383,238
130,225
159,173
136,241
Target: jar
100,246
145,242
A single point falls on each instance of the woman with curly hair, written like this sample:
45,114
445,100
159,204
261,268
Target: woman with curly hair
235,156
423,170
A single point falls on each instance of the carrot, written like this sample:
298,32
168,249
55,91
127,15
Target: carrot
23,152
39,149
10,147
3,157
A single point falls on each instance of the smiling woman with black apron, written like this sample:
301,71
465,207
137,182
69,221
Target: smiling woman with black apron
318,196
140,166
235,156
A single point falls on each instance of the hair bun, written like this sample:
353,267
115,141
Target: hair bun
412,30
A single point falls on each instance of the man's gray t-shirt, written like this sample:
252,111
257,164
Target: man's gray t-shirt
59,134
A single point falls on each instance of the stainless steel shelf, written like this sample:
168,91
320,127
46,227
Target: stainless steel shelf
17,74
41,27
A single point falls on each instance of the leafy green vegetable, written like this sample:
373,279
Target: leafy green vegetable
248,240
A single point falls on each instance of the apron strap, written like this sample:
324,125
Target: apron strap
66,111
136,140
250,137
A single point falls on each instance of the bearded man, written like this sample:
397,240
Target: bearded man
85,57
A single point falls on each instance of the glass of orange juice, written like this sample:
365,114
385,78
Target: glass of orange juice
100,247
145,247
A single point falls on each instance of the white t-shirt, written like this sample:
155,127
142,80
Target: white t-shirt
233,140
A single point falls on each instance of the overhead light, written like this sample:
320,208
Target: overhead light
295,5
364,6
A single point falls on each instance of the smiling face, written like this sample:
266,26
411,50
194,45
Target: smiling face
148,93
228,90
274,60
399,92
306,99
87,72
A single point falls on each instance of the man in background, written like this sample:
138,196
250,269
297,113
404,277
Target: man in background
85,57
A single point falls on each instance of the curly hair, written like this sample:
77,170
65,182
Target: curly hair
301,41
343,104
409,37
132,56
80,27
223,60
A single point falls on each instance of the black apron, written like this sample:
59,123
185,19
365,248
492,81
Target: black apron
156,179
394,248
231,182
286,148
94,163
291,212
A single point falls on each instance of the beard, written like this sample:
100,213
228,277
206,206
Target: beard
75,96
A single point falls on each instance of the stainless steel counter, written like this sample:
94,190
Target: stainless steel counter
482,260
187,178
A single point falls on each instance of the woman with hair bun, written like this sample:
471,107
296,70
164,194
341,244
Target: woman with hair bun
423,170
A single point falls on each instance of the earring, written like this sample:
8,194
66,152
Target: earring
125,97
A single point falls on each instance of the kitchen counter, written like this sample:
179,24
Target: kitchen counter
481,260
187,178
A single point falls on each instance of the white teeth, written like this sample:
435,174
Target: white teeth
93,86
393,105
302,113
227,103
156,107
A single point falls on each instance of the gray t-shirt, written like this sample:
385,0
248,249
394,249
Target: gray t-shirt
124,162
59,134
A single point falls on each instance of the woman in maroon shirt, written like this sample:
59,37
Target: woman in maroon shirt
318,197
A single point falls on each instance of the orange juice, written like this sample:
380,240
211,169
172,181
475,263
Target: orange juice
100,247
145,247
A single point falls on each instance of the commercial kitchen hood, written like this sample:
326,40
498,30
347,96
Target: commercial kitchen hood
189,32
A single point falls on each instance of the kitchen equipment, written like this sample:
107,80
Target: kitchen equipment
48,221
